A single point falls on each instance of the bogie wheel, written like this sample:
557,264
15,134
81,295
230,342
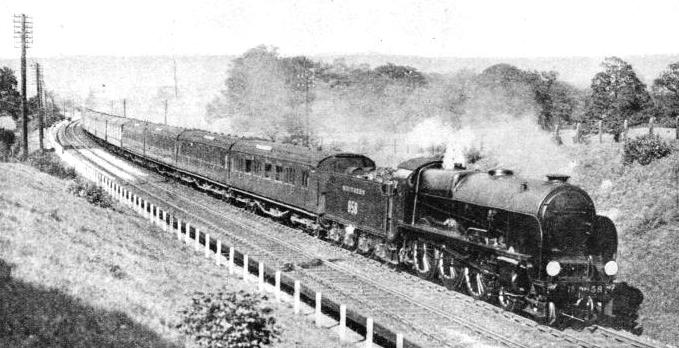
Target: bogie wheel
423,257
478,284
552,318
508,301
450,272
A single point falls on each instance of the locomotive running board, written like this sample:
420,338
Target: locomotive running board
460,238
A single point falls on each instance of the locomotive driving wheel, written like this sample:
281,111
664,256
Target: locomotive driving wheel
423,257
450,272
479,286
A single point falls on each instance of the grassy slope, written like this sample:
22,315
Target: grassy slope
644,203
87,276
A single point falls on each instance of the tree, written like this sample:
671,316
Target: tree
10,98
407,74
666,91
617,94
256,98
506,89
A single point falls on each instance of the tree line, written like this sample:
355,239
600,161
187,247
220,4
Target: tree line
287,98
10,108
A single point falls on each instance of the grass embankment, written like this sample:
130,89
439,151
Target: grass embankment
85,276
643,201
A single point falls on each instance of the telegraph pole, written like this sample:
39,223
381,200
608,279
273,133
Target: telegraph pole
41,122
307,77
124,107
23,32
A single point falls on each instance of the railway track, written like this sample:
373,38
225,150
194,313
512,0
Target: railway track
427,322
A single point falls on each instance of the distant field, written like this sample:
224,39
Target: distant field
84,276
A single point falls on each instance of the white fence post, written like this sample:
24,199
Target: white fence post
399,340
187,237
260,277
179,228
296,301
369,333
343,322
165,222
218,254
196,245
318,309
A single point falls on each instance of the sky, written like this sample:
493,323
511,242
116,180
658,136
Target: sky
439,28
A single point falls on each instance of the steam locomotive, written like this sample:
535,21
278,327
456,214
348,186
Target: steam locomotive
534,246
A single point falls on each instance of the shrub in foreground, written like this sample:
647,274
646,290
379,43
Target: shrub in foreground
50,163
91,192
645,149
228,319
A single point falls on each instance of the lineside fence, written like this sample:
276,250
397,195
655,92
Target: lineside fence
191,234
627,132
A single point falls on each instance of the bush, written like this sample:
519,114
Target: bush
50,163
645,149
228,319
91,192
473,155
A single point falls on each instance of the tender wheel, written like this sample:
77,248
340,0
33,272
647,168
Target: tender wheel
478,285
450,272
349,241
423,257
364,244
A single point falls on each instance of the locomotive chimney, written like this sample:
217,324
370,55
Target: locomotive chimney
557,177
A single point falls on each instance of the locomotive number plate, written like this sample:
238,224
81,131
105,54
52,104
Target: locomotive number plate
352,207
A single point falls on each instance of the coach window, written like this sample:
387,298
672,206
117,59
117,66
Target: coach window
267,170
248,165
288,176
257,168
305,178
235,163
279,173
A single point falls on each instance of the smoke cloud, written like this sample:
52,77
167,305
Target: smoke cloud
510,142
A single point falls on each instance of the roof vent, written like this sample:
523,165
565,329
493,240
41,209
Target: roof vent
500,172
557,177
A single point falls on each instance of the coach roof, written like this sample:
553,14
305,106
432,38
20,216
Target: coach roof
208,138
288,152
280,151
